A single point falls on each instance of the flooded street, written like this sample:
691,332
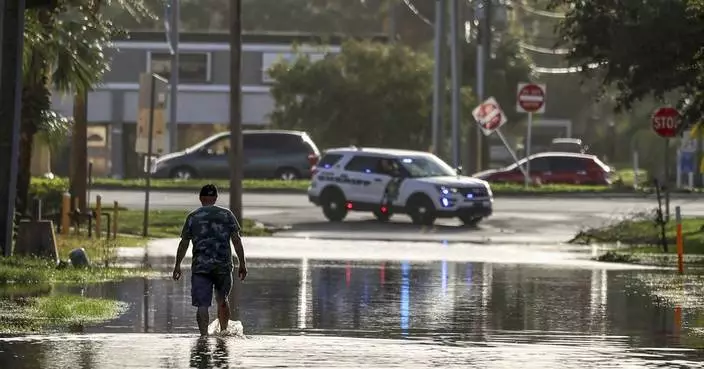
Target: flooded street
354,314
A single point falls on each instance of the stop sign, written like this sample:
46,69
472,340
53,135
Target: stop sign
665,122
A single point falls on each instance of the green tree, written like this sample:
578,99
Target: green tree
63,50
370,94
643,48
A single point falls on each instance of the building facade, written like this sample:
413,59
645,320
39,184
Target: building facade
203,100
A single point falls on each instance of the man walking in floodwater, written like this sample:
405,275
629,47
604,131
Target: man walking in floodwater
211,228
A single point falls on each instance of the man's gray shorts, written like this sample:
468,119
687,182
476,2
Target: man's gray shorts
202,286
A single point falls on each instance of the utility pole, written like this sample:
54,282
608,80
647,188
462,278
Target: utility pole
456,80
439,76
236,160
11,37
483,145
393,17
173,35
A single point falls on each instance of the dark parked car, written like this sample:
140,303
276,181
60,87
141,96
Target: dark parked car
267,154
554,167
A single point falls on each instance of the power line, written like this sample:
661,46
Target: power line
417,13
569,70
542,50
522,44
523,5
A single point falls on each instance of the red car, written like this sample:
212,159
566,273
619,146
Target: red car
554,167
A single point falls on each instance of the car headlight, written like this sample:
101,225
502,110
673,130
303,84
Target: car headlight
446,190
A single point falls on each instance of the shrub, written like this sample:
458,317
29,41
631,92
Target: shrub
50,191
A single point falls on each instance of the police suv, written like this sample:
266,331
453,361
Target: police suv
389,181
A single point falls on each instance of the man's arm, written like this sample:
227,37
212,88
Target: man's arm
182,249
239,249
185,241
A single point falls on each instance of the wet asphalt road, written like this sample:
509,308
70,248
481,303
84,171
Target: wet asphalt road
387,314
515,220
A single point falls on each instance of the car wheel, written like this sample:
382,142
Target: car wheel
287,174
382,217
422,210
183,173
470,221
333,203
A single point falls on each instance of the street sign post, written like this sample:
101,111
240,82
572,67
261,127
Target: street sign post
665,122
490,118
150,123
530,99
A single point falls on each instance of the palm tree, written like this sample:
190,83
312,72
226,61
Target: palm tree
64,49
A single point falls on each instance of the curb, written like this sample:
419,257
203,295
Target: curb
546,194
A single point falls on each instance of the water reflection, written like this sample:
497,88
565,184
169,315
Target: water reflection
443,300
477,306
202,357
405,298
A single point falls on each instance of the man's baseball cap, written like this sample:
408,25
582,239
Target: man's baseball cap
209,190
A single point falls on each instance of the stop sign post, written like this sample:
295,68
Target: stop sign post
665,122
530,99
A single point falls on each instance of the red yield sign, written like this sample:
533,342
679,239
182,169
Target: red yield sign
665,122
531,98
489,116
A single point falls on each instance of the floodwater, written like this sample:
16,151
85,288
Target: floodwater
347,314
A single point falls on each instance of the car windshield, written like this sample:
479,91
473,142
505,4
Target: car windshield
427,166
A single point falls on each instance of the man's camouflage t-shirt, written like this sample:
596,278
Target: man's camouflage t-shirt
210,228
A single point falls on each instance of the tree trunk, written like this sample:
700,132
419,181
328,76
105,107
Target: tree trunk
35,100
79,151
27,131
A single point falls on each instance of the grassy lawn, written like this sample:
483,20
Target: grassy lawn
168,224
196,184
302,185
644,235
55,312
21,272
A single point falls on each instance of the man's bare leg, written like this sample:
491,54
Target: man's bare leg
202,319
223,314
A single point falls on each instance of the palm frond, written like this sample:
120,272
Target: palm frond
54,129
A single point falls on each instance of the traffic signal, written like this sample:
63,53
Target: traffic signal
33,4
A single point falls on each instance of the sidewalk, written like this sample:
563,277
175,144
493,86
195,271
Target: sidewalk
554,255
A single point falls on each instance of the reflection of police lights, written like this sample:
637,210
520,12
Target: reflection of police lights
405,296
348,274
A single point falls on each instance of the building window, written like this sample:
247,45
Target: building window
269,59
193,67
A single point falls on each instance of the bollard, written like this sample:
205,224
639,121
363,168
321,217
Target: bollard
680,241
98,216
65,214
678,321
114,220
